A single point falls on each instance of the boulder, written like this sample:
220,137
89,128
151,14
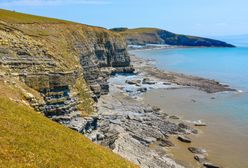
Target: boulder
99,137
150,139
23,52
184,139
200,158
142,89
184,126
197,150
174,117
117,121
166,83
165,143
133,82
199,124
96,88
210,165
155,108
148,81
148,110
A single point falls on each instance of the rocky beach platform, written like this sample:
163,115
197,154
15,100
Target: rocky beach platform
148,69
137,131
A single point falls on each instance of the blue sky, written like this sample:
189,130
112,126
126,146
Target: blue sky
195,17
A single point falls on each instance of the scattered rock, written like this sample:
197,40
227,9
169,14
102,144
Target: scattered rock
166,83
197,150
194,131
150,139
200,158
118,122
184,139
184,126
165,143
210,165
142,90
148,81
174,117
23,52
133,82
148,110
193,100
155,109
200,124
99,137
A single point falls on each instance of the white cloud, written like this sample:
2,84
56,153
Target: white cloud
12,3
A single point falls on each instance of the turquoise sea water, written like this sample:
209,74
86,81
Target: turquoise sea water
226,65
227,115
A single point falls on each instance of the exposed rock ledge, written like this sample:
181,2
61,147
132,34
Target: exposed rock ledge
134,130
207,85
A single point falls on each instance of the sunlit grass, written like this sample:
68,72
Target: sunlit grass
28,139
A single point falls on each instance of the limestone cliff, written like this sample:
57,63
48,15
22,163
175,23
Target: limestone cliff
68,63
143,36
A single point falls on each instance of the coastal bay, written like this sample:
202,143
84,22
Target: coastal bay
127,120
173,95
225,136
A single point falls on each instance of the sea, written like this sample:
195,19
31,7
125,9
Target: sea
226,113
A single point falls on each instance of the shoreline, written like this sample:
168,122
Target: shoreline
224,127
163,47
131,128
200,83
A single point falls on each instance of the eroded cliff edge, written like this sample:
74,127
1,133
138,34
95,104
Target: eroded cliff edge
67,63
61,68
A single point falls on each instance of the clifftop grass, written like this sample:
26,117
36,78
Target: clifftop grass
28,139
16,17
62,41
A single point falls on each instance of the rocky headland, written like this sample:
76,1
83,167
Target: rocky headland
66,71
156,37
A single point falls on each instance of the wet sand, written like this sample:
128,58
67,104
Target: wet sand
224,138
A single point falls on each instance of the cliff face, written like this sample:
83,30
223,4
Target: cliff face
68,63
143,36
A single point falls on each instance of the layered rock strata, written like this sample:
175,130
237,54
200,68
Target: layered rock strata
52,58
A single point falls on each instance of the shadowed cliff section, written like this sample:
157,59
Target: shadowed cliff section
143,36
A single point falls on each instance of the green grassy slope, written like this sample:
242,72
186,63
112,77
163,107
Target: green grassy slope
27,139
16,17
